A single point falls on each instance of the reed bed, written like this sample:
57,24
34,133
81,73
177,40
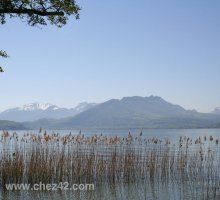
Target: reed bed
52,158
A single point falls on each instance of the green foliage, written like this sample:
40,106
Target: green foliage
3,54
39,12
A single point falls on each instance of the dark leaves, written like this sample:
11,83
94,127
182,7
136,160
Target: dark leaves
1,70
39,12
3,54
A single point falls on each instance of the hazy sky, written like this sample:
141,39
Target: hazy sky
118,48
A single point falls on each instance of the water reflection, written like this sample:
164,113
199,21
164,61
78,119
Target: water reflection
125,167
127,191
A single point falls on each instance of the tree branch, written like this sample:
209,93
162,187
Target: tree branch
30,12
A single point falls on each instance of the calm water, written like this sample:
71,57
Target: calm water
134,191
159,133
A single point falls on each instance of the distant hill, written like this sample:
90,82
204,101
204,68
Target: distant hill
135,112
216,111
36,111
9,125
45,123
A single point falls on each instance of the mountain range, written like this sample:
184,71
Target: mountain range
36,111
128,112
10,125
216,111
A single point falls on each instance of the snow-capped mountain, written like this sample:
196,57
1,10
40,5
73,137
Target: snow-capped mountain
33,107
216,111
35,111
37,106
134,112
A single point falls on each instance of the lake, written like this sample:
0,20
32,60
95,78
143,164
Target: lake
182,188
172,134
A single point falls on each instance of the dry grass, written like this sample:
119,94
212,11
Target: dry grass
96,159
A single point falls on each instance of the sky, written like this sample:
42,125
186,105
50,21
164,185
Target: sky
118,48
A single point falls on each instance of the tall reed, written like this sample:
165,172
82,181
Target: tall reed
53,158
